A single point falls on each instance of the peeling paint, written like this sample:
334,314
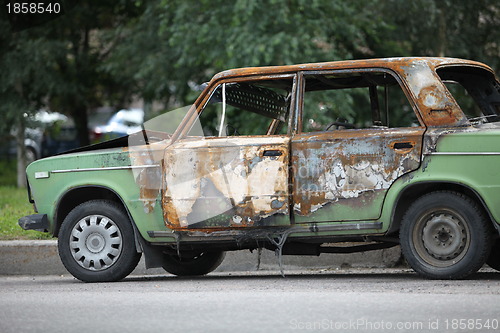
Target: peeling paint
295,191
147,177
343,165
224,182
213,183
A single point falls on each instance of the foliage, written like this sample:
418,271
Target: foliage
24,71
178,42
58,64
104,53
452,28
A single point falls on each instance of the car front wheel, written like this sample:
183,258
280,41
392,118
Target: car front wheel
96,242
445,235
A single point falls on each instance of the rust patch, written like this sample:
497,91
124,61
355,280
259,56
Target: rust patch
436,106
417,74
228,183
225,182
345,165
146,161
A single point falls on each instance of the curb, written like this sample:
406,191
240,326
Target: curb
40,257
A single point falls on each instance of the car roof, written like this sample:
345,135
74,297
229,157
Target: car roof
396,64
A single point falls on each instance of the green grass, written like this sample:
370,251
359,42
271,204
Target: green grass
13,205
8,172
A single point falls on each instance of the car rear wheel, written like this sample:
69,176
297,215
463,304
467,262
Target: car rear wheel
193,265
96,242
445,235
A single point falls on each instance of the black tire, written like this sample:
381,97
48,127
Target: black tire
494,258
445,235
96,242
200,264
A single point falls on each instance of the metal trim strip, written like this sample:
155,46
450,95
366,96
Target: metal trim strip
314,227
464,153
130,167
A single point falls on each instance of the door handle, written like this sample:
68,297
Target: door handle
272,153
402,145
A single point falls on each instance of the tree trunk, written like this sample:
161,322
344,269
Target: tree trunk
442,31
79,114
21,151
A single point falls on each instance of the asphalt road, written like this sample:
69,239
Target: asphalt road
394,300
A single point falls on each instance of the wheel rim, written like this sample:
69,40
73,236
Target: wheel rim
441,238
96,242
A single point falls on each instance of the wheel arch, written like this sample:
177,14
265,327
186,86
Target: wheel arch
80,194
410,193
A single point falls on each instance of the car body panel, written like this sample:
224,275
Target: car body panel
67,173
343,175
226,182
186,189
467,157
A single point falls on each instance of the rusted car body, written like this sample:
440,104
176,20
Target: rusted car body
366,150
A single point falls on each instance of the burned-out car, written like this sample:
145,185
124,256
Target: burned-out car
296,159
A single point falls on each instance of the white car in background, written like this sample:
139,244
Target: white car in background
106,126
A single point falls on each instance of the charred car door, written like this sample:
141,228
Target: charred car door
357,135
233,171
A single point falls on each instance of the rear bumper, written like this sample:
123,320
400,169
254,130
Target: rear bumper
37,222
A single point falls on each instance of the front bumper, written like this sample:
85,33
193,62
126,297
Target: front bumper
37,222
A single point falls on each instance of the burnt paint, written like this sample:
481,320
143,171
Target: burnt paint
225,182
352,166
335,164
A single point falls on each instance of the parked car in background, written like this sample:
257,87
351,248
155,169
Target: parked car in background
300,160
47,133
105,126
59,133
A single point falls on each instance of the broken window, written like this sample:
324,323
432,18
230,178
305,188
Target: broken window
475,90
247,108
355,100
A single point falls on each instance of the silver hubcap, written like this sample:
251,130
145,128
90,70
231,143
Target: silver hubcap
442,239
96,242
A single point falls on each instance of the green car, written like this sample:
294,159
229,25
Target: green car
295,159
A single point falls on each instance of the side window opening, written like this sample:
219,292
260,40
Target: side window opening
247,108
475,90
355,100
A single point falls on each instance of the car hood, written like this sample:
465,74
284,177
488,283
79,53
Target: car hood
134,139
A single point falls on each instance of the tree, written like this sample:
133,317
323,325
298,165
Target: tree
59,64
104,52
25,71
463,29
87,35
176,42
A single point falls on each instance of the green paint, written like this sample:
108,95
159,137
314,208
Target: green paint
481,173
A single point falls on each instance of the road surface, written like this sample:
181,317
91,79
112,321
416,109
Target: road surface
382,300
